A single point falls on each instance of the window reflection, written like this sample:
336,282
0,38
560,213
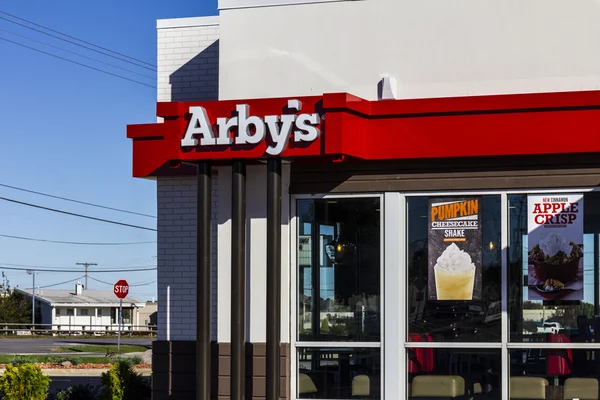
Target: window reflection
454,373
554,373
454,321
535,317
339,270
339,373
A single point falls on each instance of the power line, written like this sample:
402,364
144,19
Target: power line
76,243
57,284
76,201
78,63
111,284
70,271
36,267
77,215
72,37
77,54
80,45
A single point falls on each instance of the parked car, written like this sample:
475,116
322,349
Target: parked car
550,327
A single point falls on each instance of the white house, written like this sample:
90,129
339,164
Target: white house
84,310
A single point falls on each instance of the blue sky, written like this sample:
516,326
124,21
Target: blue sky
62,131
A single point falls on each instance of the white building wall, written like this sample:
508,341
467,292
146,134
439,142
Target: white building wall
188,59
256,254
64,322
435,48
177,255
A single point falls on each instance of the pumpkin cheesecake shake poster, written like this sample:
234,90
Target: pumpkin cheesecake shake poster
555,247
454,248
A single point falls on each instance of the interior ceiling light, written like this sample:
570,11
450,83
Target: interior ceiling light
339,249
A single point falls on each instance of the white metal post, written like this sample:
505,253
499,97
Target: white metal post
120,321
33,304
168,313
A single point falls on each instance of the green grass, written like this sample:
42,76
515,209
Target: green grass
21,359
102,349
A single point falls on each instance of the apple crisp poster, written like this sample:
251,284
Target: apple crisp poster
454,248
555,247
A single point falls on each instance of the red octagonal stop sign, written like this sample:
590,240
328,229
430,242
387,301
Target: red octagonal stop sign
121,289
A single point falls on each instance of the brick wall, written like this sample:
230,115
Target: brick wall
188,70
176,199
188,59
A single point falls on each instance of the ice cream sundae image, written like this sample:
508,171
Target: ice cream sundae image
555,260
454,274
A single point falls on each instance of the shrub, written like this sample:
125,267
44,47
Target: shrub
78,392
25,381
19,360
135,360
121,382
60,360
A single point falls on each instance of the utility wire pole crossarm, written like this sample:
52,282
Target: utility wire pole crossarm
86,265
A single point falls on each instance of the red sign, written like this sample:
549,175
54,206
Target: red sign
338,125
121,289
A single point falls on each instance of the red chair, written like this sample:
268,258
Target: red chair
559,362
420,360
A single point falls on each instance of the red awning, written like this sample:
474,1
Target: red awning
348,126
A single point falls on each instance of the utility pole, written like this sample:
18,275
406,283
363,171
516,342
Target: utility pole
86,265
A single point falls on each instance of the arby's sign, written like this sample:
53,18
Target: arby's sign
334,127
247,129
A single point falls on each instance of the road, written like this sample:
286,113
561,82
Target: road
45,345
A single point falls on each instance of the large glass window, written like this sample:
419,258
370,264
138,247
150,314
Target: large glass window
433,318
339,264
502,291
339,295
450,373
339,373
553,297
554,373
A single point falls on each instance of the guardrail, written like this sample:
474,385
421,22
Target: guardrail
17,329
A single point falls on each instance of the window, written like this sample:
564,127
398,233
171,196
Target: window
533,302
454,280
99,312
537,313
127,314
70,312
476,320
84,312
500,296
338,297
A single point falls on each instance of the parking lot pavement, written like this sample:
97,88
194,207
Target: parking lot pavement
45,345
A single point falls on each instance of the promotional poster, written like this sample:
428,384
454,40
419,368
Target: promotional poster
555,247
454,248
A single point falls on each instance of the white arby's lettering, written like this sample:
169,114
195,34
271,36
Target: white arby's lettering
252,130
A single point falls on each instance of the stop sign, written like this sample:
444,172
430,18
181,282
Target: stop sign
121,289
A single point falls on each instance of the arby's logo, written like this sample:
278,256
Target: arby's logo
276,130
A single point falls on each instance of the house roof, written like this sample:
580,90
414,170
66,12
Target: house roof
95,297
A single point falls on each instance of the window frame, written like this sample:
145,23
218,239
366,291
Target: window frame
294,272
505,345
394,231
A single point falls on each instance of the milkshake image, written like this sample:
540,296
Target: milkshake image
454,274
